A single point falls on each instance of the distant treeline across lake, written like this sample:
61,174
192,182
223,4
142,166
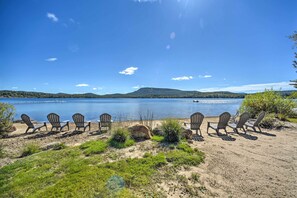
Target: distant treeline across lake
121,109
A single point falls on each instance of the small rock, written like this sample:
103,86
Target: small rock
140,132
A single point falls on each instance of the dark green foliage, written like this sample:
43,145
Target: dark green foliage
172,130
59,146
6,116
121,138
293,37
94,147
268,101
30,149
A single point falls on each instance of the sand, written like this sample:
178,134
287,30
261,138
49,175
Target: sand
236,165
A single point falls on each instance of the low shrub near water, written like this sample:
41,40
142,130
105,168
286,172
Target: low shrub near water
121,138
6,116
268,101
172,130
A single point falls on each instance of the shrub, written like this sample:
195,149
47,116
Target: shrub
268,101
30,149
121,138
172,130
268,121
6,116
93,147
59,146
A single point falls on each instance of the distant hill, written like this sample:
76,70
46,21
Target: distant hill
147,92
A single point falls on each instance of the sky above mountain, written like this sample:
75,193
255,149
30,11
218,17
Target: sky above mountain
121,45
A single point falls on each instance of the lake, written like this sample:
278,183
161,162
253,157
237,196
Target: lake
121,108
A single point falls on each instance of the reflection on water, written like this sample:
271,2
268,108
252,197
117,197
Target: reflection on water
121,108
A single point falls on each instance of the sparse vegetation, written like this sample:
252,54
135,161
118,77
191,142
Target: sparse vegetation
67,173
172,130
59,146
2,153
30,149
93,147
6,116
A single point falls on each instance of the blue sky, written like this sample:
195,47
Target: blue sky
121,45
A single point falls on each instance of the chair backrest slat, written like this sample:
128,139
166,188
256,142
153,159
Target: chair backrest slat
26,119
260,118
223,120
54,119
105,119
196,120
243,119
78,119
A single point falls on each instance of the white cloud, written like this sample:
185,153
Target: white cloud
205,76
53,59
97,88
52,17
251,88
82,85
137,86
14,87
129,71
168,47
34,88
183,78
172,35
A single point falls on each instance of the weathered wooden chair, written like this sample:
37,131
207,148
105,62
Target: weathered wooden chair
196,120
104,121
54,119
243,118
253,123
79,121
222,124
26,119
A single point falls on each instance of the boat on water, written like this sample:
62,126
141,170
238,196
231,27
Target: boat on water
195,100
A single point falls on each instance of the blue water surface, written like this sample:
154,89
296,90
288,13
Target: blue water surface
121,108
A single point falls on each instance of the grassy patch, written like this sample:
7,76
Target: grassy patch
158,138
59,146
30,149
94,147
294,120
68,173
2,153
119,145
185,147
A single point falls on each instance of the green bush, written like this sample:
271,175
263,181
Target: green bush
268,121
172,130
94,147
30,149
59,146
121,138
268,101
158,138
6,116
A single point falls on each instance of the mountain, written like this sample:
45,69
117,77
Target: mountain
147,92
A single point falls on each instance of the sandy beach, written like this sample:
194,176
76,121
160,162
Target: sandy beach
236,165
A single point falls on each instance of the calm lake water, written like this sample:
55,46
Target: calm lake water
121,109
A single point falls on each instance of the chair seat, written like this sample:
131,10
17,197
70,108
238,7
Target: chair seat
249,124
